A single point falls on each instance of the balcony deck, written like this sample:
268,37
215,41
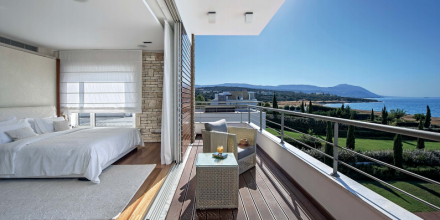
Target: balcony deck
264,193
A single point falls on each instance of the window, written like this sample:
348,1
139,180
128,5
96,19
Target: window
105,119
114,120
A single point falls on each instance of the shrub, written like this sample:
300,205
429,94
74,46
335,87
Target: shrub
398,151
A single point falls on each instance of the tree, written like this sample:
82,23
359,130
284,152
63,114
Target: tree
286,107
302,109
420,142
274,103
350,143
342,107
428,117
200,98
310,108
398,151
328,147
372,115
292,108
419,117
384,115
398,113
267,104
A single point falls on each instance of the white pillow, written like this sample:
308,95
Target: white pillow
11,125
21,133
61,125
9,119
45,125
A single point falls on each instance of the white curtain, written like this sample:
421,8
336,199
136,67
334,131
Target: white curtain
167,102
101,81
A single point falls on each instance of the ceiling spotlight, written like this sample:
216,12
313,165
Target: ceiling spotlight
249,17
211,17
143,46
148,42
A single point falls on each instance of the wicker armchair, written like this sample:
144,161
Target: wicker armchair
246,158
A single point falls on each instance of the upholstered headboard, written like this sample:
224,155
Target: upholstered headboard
28,112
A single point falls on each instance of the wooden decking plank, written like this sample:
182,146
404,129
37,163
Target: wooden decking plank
284,203
239,213
248,203
267,195
260,203
298,199
189,200
179,195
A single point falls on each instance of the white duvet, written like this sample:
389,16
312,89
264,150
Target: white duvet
80,151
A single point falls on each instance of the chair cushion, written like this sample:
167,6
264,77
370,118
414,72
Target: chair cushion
219,125
244,152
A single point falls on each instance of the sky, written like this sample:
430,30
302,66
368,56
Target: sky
391,48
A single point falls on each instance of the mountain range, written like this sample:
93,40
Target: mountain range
343,90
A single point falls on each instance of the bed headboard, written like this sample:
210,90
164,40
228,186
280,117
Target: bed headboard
28,112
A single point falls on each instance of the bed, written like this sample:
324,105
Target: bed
74,153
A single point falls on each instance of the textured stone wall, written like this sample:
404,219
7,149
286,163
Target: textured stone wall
152,82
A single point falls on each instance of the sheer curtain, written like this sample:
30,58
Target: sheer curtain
167,102
101,81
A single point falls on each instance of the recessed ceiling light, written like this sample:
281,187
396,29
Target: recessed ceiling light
80,0
249,17
148,42
142,45
211,17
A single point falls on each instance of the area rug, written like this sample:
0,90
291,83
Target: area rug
71,198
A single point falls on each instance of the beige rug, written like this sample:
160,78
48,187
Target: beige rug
71,198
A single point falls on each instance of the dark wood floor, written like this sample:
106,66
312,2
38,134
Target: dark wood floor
264,193
428,215
141,201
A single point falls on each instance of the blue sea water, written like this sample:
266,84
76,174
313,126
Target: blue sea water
410,105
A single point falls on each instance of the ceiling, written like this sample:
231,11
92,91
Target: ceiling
81,24
230,16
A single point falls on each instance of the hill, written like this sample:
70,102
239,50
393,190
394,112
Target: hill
267,95
343,90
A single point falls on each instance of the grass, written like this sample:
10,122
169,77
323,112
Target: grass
426,191
369,144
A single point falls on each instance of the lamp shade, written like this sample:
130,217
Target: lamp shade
67,112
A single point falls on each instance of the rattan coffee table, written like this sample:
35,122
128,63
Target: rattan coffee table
217,182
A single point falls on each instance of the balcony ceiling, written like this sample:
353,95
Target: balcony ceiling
230,16
81,24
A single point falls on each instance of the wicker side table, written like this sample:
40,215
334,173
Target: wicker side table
217,182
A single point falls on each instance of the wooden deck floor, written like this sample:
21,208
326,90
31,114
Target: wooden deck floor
150,154
264,193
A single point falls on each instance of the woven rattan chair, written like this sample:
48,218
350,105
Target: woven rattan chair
246,158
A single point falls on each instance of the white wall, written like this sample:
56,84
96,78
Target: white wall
342,197
26,79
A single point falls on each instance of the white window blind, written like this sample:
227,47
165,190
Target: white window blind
101,81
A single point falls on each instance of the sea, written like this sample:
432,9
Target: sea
410,105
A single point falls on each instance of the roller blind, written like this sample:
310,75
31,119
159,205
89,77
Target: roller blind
101,81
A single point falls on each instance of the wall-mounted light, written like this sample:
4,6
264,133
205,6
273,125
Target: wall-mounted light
211,17
249,17
147,42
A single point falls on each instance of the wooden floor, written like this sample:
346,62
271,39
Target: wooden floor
428,215
264,193
150,154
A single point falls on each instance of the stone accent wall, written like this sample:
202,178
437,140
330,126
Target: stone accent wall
152,84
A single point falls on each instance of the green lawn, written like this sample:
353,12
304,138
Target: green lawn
426,191
369,144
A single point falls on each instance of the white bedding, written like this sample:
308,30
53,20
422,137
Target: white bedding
80,151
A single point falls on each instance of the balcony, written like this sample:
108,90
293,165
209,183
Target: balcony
289,183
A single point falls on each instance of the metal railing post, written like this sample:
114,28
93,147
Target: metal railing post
282,128
249,114
261,120
335,151
241,115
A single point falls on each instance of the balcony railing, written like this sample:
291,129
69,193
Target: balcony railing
256,114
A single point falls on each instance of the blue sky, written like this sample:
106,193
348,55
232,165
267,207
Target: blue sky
388,47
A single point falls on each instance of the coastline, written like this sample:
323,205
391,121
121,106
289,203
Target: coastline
407,117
